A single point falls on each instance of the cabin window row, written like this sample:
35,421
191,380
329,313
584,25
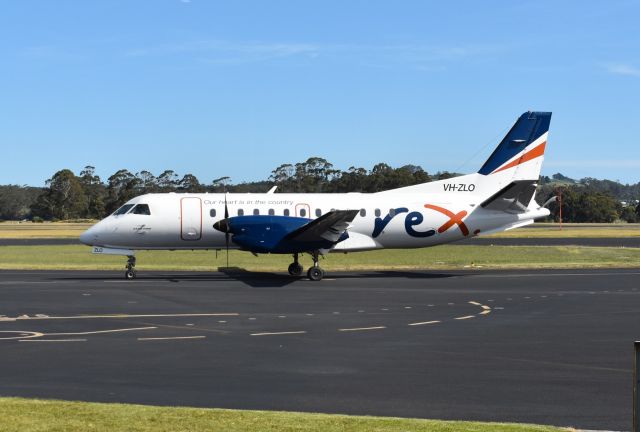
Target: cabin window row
303,212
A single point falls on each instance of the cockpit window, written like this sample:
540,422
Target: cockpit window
122,210
141,209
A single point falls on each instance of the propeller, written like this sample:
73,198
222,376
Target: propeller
223,226
226,226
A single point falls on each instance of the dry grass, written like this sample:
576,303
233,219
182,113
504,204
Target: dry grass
439,257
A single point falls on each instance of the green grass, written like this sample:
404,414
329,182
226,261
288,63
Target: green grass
29,415
439,257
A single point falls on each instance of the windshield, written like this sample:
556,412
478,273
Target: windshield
141,209
122,210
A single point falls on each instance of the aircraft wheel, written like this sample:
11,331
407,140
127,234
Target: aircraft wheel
295,269
130,274
315,273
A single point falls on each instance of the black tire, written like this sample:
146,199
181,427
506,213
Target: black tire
295,269
130,274
315,274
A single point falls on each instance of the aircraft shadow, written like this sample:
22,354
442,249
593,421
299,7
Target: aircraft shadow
261,279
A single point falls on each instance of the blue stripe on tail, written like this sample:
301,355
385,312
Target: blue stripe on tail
529,127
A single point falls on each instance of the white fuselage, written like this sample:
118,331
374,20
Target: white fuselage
385,220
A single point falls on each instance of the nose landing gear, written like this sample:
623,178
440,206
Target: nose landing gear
131,268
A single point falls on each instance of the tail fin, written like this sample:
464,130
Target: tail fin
522,149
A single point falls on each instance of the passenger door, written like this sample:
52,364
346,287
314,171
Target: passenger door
190,218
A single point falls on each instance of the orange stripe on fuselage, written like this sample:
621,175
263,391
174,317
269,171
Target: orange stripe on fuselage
531,154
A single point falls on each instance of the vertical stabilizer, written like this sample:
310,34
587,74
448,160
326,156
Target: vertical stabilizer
520,154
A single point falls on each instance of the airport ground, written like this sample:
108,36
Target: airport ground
541,346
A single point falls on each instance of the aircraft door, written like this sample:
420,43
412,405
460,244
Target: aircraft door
190,218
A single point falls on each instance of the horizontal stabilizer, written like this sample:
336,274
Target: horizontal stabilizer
514,198
330,226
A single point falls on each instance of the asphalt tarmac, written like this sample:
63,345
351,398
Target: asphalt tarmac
550,347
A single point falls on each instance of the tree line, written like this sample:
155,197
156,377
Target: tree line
86,196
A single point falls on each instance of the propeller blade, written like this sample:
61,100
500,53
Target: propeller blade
226,231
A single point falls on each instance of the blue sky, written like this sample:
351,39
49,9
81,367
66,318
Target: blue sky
237,88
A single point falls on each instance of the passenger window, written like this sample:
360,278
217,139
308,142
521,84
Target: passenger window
318,212
271,212
286,212
141,209
256,212
392,212
122,210
303,212
363,212
212,212
377,212
240,212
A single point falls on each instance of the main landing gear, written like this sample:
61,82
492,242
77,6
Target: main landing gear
131,268
295,269
314,273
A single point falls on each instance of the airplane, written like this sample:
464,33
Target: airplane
500,196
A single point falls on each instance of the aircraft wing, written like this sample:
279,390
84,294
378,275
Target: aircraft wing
330,227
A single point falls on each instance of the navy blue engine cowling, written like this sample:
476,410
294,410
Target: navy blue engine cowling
270,234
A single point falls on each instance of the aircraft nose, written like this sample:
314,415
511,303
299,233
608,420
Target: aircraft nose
89,236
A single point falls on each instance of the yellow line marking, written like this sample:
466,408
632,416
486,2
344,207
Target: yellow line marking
100,331
486,312
465,317
362,328
171,338
120,316
424,323
22,335
277,333
52,340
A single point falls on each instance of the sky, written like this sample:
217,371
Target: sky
221,88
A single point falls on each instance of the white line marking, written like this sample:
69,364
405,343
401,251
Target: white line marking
52,340
277,333
465,317
121,316
23,335
100,331
485,307
361,328
485,312
424,323
475,303
171,338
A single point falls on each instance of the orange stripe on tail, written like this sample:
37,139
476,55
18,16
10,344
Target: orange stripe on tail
531,154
